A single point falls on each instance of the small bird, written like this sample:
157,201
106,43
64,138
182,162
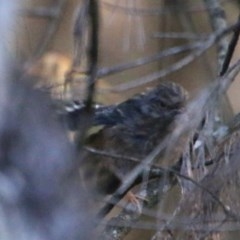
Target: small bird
132,128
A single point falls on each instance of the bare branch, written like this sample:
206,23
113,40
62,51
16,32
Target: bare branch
230,51
218,22
146,60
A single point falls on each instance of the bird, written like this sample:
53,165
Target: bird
131,128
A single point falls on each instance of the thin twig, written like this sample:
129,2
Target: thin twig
93,52
89,12
230,50
218,21
147,60
111,155
181,35
182,223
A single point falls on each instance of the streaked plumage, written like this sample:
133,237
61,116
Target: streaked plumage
132,128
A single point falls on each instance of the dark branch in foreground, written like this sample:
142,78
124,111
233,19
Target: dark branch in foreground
230,50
